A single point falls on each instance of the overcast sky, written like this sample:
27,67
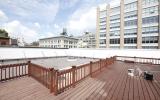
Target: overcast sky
34,19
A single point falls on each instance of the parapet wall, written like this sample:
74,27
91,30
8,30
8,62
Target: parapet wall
22,53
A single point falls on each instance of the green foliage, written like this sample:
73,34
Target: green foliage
3,33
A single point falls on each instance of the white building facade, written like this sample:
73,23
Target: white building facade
58,42
87,41
129,24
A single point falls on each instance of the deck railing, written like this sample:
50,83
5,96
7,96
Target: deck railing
41,74
142,60
55,80
11,71
70,77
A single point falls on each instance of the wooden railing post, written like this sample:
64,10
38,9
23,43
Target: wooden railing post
100,65
55,82
29,68
51,80
91,68
73,75
106,62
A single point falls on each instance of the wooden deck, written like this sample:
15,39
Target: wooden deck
113,83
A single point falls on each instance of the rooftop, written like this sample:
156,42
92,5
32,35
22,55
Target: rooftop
112,83
61,36
60,63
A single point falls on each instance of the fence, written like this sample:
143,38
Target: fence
70,77
138,59
11,71
55,80
41,74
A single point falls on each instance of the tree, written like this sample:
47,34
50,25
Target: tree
3,33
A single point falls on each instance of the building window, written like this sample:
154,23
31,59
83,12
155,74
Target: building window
102,41
103,14
130,40
115,47
102,20
130,47
115,33
150,47
115,41
148,20
102,46
130,23
102,35
150,11
151,29
149,2
130,6
152,39
115,9
130,14
130,31
115,17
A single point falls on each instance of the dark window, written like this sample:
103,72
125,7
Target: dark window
130,40
115,41
153,39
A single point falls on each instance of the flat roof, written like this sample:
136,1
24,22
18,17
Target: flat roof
59,37
59,63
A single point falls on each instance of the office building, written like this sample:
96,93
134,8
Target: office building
129,24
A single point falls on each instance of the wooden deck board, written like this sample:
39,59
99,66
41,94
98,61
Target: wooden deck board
113,83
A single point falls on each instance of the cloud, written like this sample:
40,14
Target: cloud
56,26
68,3
32,10
47,34
83,20
3,16
18,30
36,24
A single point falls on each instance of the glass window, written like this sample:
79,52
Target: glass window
102,41
130,40
115,9
115,17
150,47
130,31
151,39
150,11
148,20
130,23
130,14
149,2
130,5
102,35
115,41
115,33
103,13
151,29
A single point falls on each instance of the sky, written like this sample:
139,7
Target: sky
35,19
